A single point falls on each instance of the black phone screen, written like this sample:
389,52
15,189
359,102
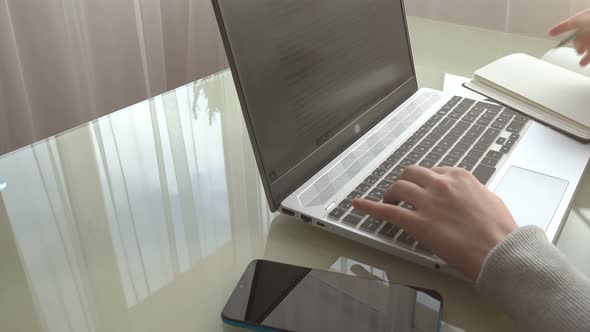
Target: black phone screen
292,298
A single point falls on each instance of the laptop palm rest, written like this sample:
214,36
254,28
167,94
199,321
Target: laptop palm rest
531,197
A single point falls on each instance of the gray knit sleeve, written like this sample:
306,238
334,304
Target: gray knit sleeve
531,280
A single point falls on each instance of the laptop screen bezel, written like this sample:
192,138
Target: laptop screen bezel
306,168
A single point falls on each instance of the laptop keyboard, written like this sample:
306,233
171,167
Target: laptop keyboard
463,133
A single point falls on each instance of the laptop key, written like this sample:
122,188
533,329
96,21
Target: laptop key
397,170
489,106
469,118
494,155
384,184
414,155
358,213
487,140
427,163
467,102
433,136
475,154
515,126
451,160
428,142
483,122
491,132
405,238
506,115
435,157
337,213
462,146
509,143
419,134
407,162
386,165
352,220
393,159
446,144
468,140
440,150
483,173
455,115
491,113
371,225
391,177
498,125
481,146
502,120
440,130
354,194
457,131
434,119
504,149
413,140
363,188
400,152
445,164
489,162
448,122
421,149
389,230
456,153
371,180
500,140
455,100
470,161
514,136
521,118
475,112
377,193
463,125
466,166
345,204
452,138
406,146
379,172
371,198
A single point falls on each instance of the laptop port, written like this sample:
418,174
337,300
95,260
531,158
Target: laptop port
320,224
305,219
288,212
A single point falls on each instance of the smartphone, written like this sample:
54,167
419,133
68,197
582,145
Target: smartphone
279,297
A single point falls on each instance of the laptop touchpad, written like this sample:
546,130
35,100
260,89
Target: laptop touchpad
531,197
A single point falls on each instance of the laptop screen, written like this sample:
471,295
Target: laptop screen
308,69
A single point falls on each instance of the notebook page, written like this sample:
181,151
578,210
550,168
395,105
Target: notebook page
550,88
567,58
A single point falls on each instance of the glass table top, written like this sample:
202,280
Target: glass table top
145,219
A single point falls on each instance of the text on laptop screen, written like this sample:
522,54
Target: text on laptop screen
309,68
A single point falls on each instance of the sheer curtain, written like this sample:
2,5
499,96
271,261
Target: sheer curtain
65,62
531,17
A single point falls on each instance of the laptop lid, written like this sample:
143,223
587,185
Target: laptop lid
312,77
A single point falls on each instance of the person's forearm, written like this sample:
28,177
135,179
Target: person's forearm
533,282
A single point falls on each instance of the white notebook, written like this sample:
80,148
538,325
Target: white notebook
554,89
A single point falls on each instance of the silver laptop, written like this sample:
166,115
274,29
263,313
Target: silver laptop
329,95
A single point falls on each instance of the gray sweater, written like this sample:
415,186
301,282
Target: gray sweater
533,282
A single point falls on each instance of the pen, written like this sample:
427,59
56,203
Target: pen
568,39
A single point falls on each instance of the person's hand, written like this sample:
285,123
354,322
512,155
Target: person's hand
581,23
453,215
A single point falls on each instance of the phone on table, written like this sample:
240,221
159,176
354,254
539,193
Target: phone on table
279,297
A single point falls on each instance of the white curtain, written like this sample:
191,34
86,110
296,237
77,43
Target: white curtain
66,62
531,17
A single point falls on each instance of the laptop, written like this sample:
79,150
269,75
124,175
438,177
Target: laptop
329,95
